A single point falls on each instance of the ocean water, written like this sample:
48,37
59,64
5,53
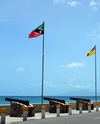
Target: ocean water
37,99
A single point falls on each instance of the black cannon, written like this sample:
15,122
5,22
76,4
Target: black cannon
53,102
25,102
16,107
87,100
84,103
52,99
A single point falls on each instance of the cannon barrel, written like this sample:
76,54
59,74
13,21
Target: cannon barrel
26,102
58,100
87,100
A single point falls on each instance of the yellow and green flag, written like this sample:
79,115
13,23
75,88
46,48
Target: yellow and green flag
91,52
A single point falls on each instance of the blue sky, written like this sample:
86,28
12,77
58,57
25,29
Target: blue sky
72,28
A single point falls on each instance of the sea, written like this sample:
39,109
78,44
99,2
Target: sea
37,99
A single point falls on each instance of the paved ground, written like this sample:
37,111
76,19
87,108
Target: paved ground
87,118
50,117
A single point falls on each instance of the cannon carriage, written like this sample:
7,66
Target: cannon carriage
53,102
16,107
84,103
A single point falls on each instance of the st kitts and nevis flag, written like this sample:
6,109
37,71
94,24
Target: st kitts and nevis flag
37,32
91,52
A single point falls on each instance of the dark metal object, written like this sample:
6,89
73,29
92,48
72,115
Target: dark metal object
25,102
52,99
84,103
53,102
87,100
16,110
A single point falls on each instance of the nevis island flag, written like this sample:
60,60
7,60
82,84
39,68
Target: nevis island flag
37,32
91,52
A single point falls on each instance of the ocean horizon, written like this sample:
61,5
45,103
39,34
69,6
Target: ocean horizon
37,99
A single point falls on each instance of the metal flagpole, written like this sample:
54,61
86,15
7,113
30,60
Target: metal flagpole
95,77
42,69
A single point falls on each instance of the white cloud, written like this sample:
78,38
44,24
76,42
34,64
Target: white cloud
76,64
73,64
74,3
20,69
55,1
81,87
53,84
74,84
59,1
50,83
94,5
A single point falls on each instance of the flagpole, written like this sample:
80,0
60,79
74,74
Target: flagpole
42,69
95,77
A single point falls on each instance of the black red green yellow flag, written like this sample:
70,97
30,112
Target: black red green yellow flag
37,32
91,52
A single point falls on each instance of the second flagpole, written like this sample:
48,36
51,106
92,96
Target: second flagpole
42,90
95,77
